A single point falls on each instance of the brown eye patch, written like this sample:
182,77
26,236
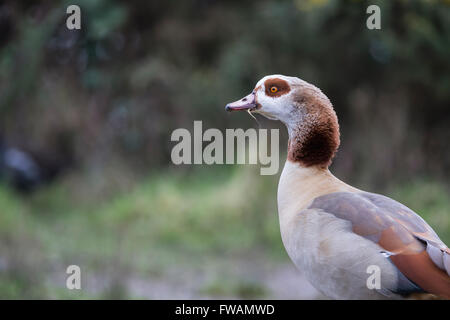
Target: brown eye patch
276,87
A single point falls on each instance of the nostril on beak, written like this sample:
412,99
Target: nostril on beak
245,99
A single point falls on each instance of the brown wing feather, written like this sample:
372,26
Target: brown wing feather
396,229
421,269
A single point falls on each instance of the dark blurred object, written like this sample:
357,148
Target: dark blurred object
19,169
6,25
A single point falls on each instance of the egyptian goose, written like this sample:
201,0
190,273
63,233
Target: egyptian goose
333,232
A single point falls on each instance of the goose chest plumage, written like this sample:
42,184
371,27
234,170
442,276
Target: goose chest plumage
333,232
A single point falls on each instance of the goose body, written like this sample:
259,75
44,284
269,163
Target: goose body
334,233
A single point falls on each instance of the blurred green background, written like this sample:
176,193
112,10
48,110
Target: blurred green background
86,117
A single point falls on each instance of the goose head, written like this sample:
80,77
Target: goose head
304,109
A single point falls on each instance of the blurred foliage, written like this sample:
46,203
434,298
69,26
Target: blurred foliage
113,91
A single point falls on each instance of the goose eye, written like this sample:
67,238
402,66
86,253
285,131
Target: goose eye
273,89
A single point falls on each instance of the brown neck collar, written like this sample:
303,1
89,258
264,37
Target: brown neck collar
314,140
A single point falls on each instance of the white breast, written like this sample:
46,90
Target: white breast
323,247
299,186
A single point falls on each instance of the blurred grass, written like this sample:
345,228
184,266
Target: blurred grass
167,220
241,289
171,221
